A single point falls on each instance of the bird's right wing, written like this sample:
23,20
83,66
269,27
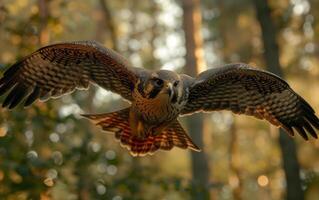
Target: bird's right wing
246,90
59,69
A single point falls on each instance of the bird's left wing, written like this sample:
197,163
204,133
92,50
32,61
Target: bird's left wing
246,90
61,68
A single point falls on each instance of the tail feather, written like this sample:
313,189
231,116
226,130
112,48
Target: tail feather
118,123
180,137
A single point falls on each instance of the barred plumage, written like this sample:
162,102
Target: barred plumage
246,90
157,97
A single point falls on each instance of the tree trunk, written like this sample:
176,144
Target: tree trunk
236,182
44,16
109,22
287,145
195,60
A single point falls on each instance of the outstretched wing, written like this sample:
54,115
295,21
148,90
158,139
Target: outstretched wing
61,68
245,90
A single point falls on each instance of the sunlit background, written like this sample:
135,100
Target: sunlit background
48,151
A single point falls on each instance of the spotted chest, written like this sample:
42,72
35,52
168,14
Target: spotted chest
155,111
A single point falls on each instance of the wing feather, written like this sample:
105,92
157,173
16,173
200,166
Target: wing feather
59,69
246,90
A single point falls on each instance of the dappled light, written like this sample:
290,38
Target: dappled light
49,151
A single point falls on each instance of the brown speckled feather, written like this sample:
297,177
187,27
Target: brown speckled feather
246,90
61,68
157,97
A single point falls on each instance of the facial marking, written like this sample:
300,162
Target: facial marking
154,92
154,87
160,84
140,88
174,97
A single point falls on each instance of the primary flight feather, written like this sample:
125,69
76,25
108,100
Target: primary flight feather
157,98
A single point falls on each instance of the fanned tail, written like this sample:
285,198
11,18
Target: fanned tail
176,135
118,123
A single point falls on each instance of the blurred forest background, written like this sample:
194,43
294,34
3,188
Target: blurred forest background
49,152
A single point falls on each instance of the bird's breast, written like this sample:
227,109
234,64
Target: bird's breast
156,110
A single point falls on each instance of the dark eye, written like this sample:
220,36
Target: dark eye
175,83
158,82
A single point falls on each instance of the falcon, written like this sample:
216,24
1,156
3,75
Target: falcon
157,98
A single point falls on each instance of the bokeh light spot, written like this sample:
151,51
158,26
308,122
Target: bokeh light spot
262,180
32,155
54,137
57,157
48,182
117,198
3,131
110,154
100,189
111,170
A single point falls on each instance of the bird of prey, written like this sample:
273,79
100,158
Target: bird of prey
157,98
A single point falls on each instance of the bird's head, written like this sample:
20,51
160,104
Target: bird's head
162,84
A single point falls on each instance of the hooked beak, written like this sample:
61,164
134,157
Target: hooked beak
169,88
172,93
